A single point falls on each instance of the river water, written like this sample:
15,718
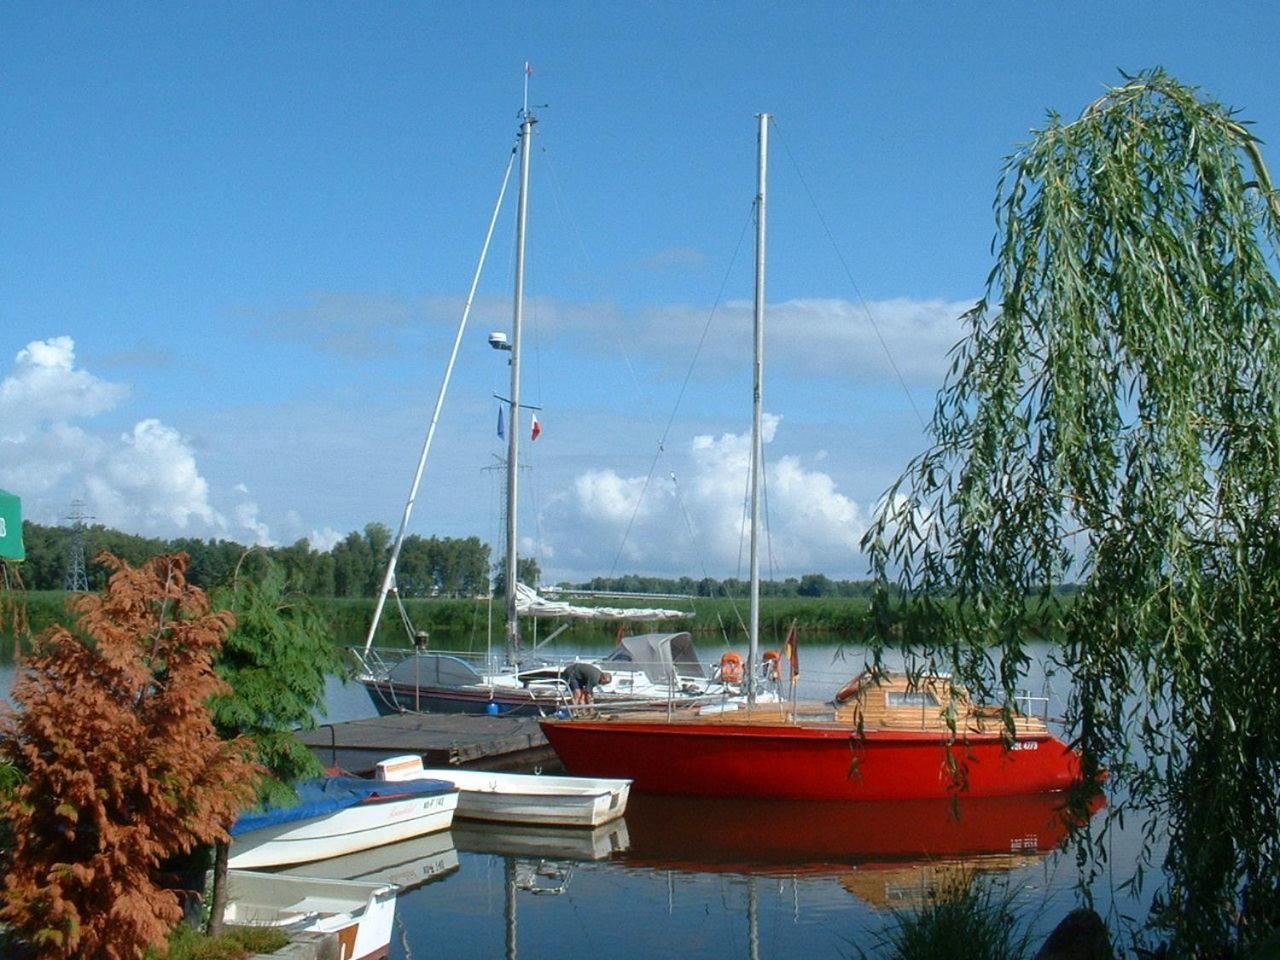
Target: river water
682,878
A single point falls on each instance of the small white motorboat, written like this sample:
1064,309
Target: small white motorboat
521,797
340,815
360,914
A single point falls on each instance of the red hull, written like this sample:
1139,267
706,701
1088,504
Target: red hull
785,762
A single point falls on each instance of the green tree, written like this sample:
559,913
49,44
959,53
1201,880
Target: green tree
1114,416
352,566
527,572
815,585
274,663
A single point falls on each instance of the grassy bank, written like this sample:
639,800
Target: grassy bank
464,624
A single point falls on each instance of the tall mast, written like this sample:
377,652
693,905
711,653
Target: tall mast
513,421
757,443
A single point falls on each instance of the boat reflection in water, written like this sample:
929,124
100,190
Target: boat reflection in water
529,840
887,853
407,864
725,877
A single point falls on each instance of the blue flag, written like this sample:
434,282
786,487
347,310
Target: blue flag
502,433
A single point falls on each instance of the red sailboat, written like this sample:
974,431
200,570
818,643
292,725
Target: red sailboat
879,739
885,740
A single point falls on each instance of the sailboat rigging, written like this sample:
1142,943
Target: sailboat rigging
652,666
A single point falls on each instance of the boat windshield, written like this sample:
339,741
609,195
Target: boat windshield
436,670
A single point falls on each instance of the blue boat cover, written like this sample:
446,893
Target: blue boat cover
319,797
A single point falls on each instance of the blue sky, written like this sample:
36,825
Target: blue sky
238,236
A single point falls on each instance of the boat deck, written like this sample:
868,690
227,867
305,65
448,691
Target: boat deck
871,707
441,739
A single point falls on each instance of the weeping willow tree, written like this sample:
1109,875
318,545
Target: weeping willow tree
1112,418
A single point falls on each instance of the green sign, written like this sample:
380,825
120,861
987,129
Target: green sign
11,528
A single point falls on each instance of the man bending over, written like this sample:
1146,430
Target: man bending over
582,679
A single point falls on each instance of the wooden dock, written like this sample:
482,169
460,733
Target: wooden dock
441,739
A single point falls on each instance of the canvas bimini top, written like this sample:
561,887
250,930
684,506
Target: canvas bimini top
659,655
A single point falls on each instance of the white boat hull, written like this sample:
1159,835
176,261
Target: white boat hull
359,914
344,831
524,798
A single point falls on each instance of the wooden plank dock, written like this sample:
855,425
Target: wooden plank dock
441,739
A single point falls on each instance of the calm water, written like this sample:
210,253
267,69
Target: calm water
685,878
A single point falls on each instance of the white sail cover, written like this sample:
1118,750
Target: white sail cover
529,604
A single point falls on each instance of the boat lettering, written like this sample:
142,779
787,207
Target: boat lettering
1029,842
1026,745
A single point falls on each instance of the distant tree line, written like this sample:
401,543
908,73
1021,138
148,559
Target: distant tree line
809,585
354,567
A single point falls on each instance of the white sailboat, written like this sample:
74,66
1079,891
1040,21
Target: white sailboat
416,680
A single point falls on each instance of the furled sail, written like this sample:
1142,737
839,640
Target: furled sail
529,604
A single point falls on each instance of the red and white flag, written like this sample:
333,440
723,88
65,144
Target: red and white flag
537,428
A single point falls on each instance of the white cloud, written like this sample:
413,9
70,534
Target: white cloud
675,258
833,337
145,480
150,479
354,325
830,337
45,388
246,514
813,526
324,540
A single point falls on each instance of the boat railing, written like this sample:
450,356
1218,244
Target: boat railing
1032,706
376,663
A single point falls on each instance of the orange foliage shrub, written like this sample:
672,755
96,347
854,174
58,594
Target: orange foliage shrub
123,768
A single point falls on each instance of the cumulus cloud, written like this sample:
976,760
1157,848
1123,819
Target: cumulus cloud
685,522
145,479
246,517
46,387
150,479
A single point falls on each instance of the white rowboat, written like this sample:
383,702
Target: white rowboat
359,914
310,831
522,797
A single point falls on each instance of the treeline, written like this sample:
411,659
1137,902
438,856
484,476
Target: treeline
354,567
809,585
